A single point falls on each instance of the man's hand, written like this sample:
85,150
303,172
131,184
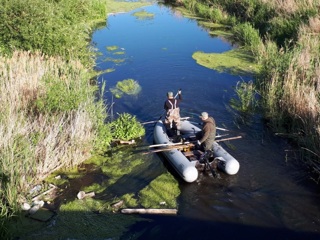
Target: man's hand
198,143
179,92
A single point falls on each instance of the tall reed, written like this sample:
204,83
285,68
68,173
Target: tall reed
39,138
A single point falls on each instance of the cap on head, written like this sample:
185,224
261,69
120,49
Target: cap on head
204,115
170,94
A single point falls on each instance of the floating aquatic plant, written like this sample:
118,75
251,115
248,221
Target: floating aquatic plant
127,86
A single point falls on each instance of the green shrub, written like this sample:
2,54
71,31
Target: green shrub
246,35
126,127
55,27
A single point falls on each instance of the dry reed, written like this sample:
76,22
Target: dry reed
33,146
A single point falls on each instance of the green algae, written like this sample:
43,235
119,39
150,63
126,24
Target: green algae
143,15
126,86
162,192
120,164
116,7
236,61
114,60
119,53
87,219
112,48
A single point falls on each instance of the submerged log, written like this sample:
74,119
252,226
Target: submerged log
149,211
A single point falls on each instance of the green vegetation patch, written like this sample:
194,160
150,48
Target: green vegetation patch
143,15
112,48
119,53
114,60
127,86
162,192
216,29
88,219
126,127
125,6
120,164
237,61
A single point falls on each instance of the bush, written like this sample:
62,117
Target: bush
246,35
126,127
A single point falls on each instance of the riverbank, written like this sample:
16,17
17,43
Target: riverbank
283,38
52,116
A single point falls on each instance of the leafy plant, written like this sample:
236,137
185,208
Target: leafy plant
126,127
246,94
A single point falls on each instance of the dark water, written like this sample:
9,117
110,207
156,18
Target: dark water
270,197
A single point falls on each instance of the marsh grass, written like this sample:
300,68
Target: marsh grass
283,37
246,100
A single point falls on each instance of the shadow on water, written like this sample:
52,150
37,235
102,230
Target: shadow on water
176,227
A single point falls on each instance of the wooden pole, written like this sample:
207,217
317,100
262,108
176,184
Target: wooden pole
182,119
149,211
171,147
227,139
167,144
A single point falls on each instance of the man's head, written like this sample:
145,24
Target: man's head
170,94
204,115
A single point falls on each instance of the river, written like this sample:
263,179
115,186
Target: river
272,196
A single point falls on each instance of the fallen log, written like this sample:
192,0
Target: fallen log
149,211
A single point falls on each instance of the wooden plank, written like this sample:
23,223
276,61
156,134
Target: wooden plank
149,211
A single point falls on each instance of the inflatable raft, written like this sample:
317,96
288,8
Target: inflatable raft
186,161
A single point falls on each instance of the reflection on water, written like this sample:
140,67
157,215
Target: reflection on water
268,194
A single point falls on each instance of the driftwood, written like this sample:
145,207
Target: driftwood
118,204
149,211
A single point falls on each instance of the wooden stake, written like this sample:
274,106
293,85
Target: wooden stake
149,211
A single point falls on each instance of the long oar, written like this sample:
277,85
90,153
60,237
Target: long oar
219,128
169,148
167,144
182,119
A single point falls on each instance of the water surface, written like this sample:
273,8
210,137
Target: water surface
270,197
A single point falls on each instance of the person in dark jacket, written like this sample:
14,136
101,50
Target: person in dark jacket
171,105
207,135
